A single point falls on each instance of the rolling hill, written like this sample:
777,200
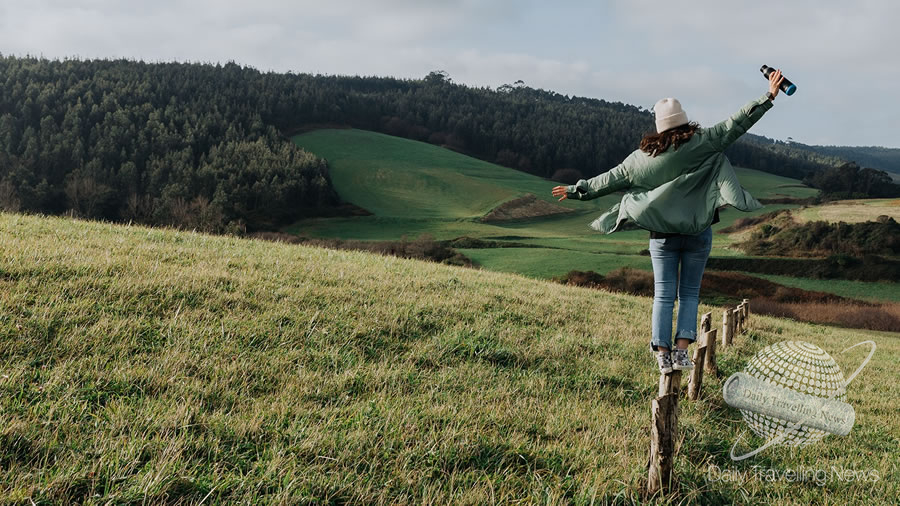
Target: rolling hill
395,177
416,188
161,366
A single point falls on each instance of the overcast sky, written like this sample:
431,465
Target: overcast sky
707,53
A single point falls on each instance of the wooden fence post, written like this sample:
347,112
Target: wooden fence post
710,365
727,327
696,378
669,383
705,322
701,357
743,309
663,434
737,321
746,304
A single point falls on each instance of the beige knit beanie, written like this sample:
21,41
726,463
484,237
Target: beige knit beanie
669,114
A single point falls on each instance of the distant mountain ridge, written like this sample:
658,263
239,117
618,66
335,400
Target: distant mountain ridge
875,157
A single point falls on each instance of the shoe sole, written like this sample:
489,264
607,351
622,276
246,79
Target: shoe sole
682,367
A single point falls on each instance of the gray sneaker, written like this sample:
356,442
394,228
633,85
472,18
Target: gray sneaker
664,362
681,361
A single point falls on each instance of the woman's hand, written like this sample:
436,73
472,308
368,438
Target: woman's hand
560,190
775,79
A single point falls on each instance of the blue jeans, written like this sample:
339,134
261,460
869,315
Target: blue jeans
691,251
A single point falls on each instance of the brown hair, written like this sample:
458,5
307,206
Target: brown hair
656,143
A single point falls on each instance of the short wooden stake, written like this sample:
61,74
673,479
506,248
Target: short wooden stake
696,378
670,383
727,327
710,361
663,434
710,365
705,322
746,311
737,321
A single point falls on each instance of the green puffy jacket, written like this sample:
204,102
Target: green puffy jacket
676,191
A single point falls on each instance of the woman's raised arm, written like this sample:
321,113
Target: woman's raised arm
725,133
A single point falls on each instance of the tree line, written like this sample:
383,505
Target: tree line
850,181
184,145
204,146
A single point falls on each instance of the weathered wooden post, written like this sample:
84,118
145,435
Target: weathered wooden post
705,322
700,353
737,320
669,383
663,434
743,309
710,365
746,303
727,327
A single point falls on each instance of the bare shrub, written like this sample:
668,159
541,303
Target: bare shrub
138,208
628,280
9,200
87,198
197,214
625,279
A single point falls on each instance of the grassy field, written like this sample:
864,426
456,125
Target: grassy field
414,188
398,180
151,366
851,211
873,291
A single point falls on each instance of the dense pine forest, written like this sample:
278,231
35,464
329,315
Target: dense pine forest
204,146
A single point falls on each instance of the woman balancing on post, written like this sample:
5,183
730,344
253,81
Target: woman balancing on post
673,186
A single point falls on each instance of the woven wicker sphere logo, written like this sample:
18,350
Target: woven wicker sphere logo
799,366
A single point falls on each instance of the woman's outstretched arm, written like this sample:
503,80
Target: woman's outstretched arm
602,184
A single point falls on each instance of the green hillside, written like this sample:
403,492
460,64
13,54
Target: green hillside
152,366
396,177
415,188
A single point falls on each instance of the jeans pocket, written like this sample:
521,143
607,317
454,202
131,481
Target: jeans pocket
700,242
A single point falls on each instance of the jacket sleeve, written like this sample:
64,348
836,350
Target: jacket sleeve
603,184
728,131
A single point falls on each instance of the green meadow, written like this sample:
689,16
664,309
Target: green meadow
414,188
148,366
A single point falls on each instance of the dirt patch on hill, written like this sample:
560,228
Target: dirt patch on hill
526,206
